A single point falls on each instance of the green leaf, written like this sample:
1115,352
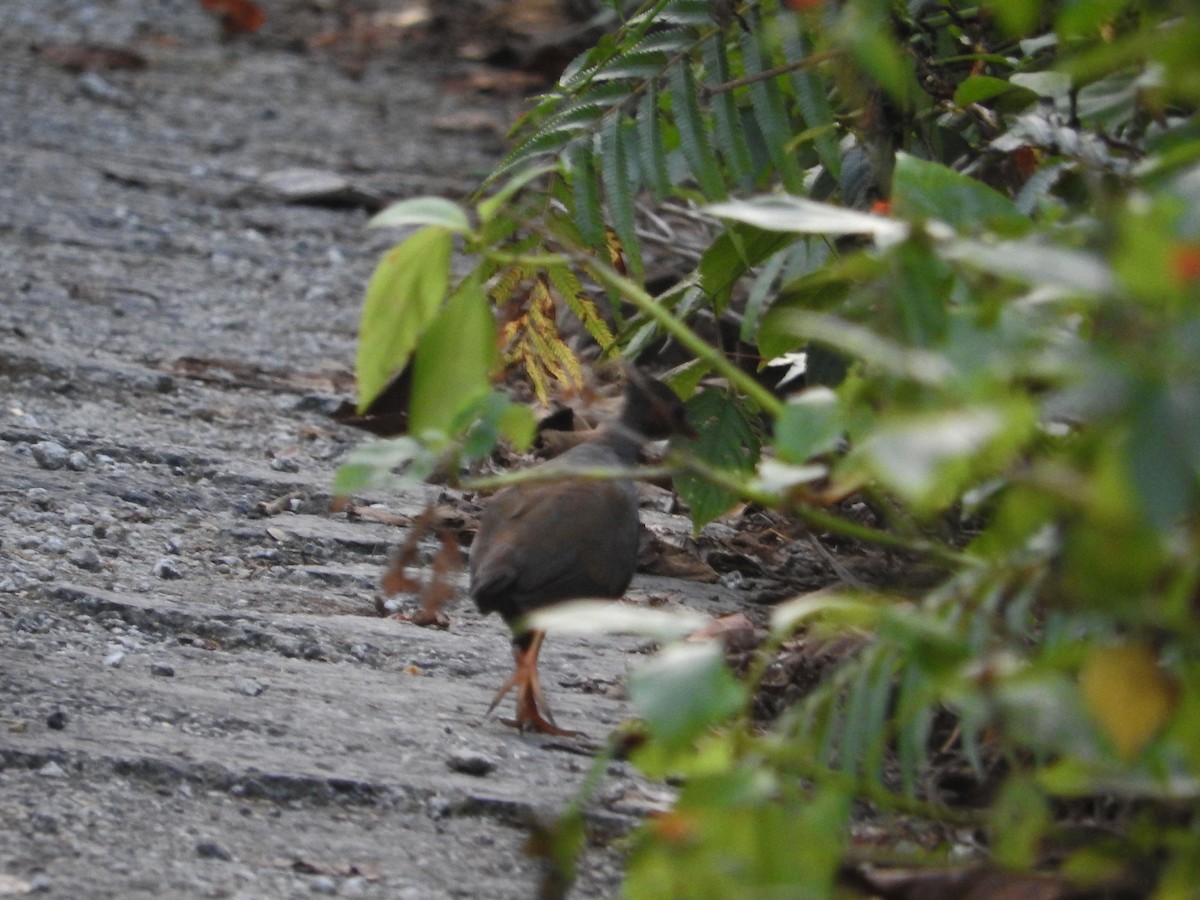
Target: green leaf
728,133
880,354
423,211
728,441
585,195
454,360
810,424
811,97
369,466
620,188
693,132
1020,819
403,297
842,608
801,216
490,206
685,689
1035,262
735,251
928,458
921,293
762,293
979,88
650,143
1164,469
606,617
770,113
928,190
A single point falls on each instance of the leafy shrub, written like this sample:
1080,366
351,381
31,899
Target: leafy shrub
979,223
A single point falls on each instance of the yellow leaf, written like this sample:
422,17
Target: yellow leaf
1128,694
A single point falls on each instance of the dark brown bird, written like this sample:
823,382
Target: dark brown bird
540,543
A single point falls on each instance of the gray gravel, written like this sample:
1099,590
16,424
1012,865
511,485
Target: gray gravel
197,700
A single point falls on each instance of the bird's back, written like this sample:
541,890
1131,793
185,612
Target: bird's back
544,542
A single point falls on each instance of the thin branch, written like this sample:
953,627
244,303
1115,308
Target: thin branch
797,65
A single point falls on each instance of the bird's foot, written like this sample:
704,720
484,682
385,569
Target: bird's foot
541,725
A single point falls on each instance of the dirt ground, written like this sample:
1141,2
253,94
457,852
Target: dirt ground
197,698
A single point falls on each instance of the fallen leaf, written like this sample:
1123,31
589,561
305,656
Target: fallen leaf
92,57
237,16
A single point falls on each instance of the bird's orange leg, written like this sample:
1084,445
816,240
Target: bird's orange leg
530,700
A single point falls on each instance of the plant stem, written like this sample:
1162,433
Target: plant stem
807,63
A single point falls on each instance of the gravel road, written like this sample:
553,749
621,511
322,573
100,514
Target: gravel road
197,698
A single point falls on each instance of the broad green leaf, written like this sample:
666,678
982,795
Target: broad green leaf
735,251
494,417
928,190
1020,819
1035,262
762,292
1054,85
921,293
403,297
855,341
454,360
801,216
1017,17
1164,469
606,617
979,88
728,441
369,466
781,479
423,211
838,607
685,689
811,424
928,458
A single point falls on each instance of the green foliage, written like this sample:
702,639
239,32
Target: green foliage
979,226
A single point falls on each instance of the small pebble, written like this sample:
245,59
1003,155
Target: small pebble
77,461
54,545
50,454
162,670
285,464
248,687
114,659
323,884
732,579
471,762
213,850
86,558
167,569
51,770
57,720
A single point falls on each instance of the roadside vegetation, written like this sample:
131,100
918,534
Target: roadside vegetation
976,229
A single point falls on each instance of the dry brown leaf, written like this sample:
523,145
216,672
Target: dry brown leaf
237,16
92,58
